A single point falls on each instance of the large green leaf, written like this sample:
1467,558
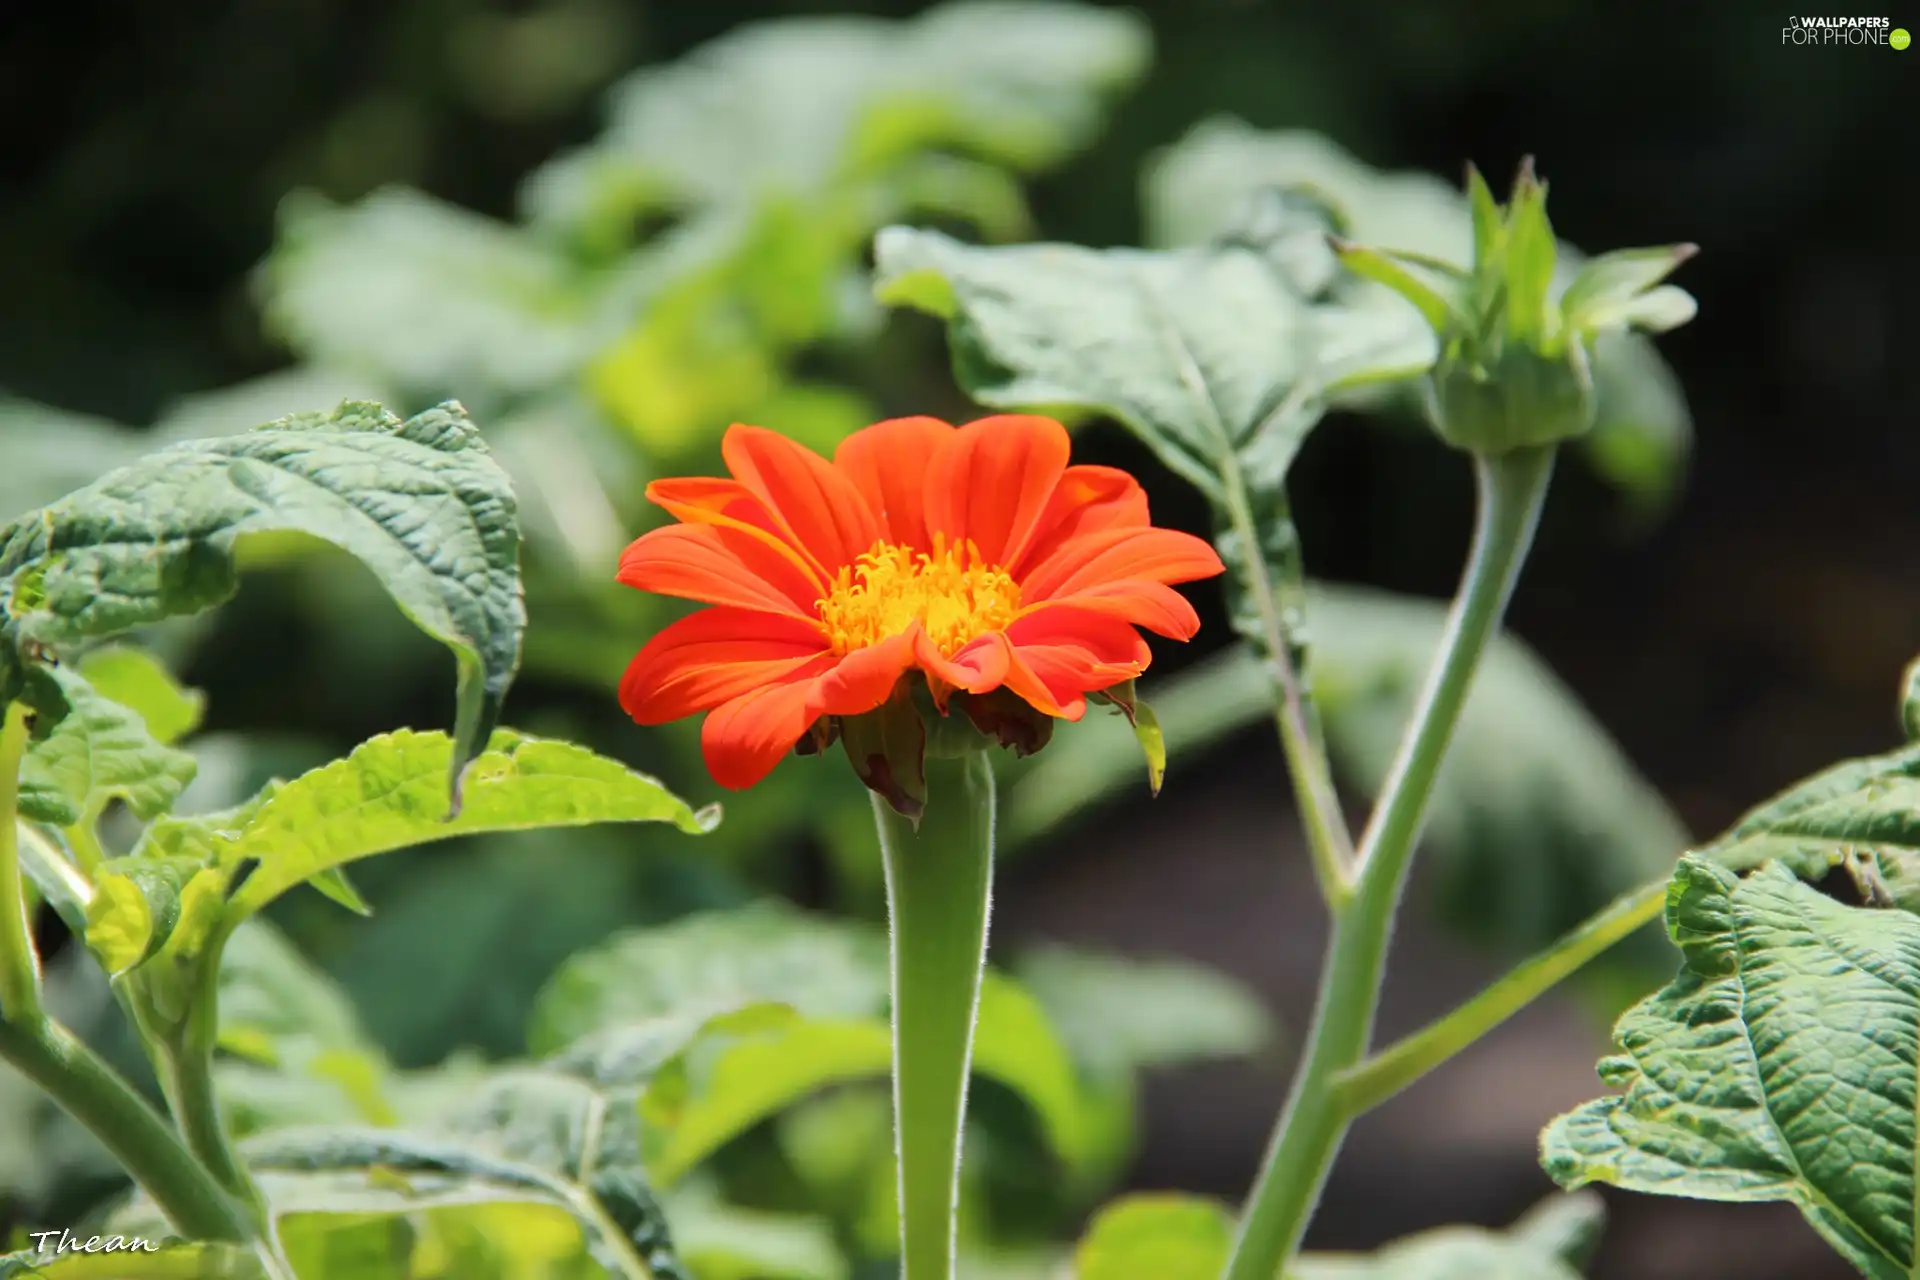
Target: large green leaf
1193,190
425,297
100,750
1216,357
156,1259
384,796
1779,1065
796,1003
796,107
421,502
1537,817
547,1145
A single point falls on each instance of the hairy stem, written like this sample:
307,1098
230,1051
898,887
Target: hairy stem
1313,1124
1387,1072
939,882
140,1139
19,963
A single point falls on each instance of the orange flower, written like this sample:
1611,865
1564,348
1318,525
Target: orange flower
973,554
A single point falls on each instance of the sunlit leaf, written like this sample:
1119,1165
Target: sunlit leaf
168,1260
136,680
532,1151
1192,191
420,502
1779,1065
387,795
1167,1236
100,750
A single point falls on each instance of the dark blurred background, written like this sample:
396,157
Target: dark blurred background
1751,634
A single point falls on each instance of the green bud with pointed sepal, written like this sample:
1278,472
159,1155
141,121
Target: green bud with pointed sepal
1514,363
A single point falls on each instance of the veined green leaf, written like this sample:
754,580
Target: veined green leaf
1643,432
420,502
531,1150
797,106
100,750
1218,358
168,1260
136,680
1537,817
386,796
1779,1065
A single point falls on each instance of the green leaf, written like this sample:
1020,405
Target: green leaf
386,795
339,1246
170,1260
100,750
721,1241
425,297
1166,1236
137,906
551,1146
1537,816
1549,1243
1118,1013
1779,1065
420,502
810,104
136,680
1192,190
793,1003
1217,358
712,963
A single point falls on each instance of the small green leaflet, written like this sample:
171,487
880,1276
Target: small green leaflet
1779,1065
100,750
136,680
1166,1236
420,502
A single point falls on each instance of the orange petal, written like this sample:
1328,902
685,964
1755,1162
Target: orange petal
1158,555
888,463
743,739
719,564
1086,500
711,657
731,505
1057,656
864,678
816,504
979,666
1143,603
993,480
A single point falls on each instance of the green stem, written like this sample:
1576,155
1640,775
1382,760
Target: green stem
19,963
101,1100
1366,1086
1512,487
939,882
83,837
1328,840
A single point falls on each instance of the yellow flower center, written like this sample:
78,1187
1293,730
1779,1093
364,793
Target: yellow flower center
952,593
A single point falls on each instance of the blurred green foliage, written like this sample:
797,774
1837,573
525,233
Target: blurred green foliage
703,259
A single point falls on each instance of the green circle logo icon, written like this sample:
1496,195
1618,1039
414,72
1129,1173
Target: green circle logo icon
1899,38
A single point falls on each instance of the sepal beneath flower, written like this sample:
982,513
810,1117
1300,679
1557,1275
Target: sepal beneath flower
1008,719
1146,729
888,750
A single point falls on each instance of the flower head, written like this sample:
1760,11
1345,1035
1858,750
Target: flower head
969,562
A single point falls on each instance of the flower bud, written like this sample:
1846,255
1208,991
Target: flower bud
1513,368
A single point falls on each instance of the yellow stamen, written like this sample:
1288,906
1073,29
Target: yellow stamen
952,593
